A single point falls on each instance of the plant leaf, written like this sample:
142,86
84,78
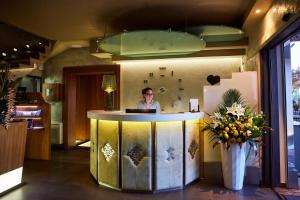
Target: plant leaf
229,97
216,143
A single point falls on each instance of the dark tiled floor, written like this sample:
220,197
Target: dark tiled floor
67,177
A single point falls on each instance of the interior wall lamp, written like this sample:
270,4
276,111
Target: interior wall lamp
109,85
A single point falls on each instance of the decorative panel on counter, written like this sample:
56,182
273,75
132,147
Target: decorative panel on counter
94,147
136,156
192,151
169,155
108,153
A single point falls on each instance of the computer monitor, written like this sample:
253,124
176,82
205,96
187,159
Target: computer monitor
129,110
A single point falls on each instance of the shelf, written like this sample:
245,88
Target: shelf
27,105
36,128
27,117
37,113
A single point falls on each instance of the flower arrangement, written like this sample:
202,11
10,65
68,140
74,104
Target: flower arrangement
235,123
7,96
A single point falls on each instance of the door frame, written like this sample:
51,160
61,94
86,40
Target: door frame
69,102
270,102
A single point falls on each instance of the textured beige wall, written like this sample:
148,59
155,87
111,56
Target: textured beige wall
193,73
53,68
53,71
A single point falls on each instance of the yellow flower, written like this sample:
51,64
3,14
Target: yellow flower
249,133
255,127
226,136
250,121
233,128
226,129
235,133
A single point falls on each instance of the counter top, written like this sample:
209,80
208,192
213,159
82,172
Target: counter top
122,116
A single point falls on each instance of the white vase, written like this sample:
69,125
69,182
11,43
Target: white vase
233,165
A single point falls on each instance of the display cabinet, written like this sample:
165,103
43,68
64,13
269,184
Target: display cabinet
37,113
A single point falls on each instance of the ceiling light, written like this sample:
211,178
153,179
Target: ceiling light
3,54
15,49
217,33
27,45
40,43
145,43
258,11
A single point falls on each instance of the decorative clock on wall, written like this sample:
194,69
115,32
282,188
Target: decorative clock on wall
168,93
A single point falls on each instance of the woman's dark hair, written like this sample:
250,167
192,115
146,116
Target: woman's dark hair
145,90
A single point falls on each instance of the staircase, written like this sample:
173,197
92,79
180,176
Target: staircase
32,65
22,51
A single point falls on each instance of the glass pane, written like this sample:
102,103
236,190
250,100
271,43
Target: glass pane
292,75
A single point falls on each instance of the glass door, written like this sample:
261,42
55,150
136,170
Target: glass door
291,62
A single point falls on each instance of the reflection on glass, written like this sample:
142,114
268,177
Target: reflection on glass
292,74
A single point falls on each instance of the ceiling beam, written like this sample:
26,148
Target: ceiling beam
231,48
204,53
247,12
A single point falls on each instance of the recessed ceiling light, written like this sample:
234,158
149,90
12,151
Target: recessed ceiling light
15,49
3,54
27,45
258,11
40,43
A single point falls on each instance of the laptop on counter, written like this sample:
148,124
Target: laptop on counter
129,110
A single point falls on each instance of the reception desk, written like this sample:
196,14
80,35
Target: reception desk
144,152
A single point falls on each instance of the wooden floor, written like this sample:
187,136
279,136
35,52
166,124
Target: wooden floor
67,177
288,193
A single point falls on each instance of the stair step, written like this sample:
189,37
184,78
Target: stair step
23,66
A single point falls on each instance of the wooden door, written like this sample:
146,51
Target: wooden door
89,96
82,92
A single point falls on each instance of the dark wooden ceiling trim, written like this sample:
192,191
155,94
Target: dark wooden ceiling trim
247,12
204,53
231,44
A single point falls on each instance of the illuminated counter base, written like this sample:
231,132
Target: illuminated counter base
144,152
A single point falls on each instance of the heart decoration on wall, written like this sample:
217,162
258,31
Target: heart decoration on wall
213,79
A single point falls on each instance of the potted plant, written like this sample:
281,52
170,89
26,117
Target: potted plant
232,126
7,96
12,135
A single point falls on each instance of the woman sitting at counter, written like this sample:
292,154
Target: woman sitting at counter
148,102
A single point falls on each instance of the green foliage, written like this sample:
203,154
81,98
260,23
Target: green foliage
7,95
258,121
229,97
235,122
4,81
